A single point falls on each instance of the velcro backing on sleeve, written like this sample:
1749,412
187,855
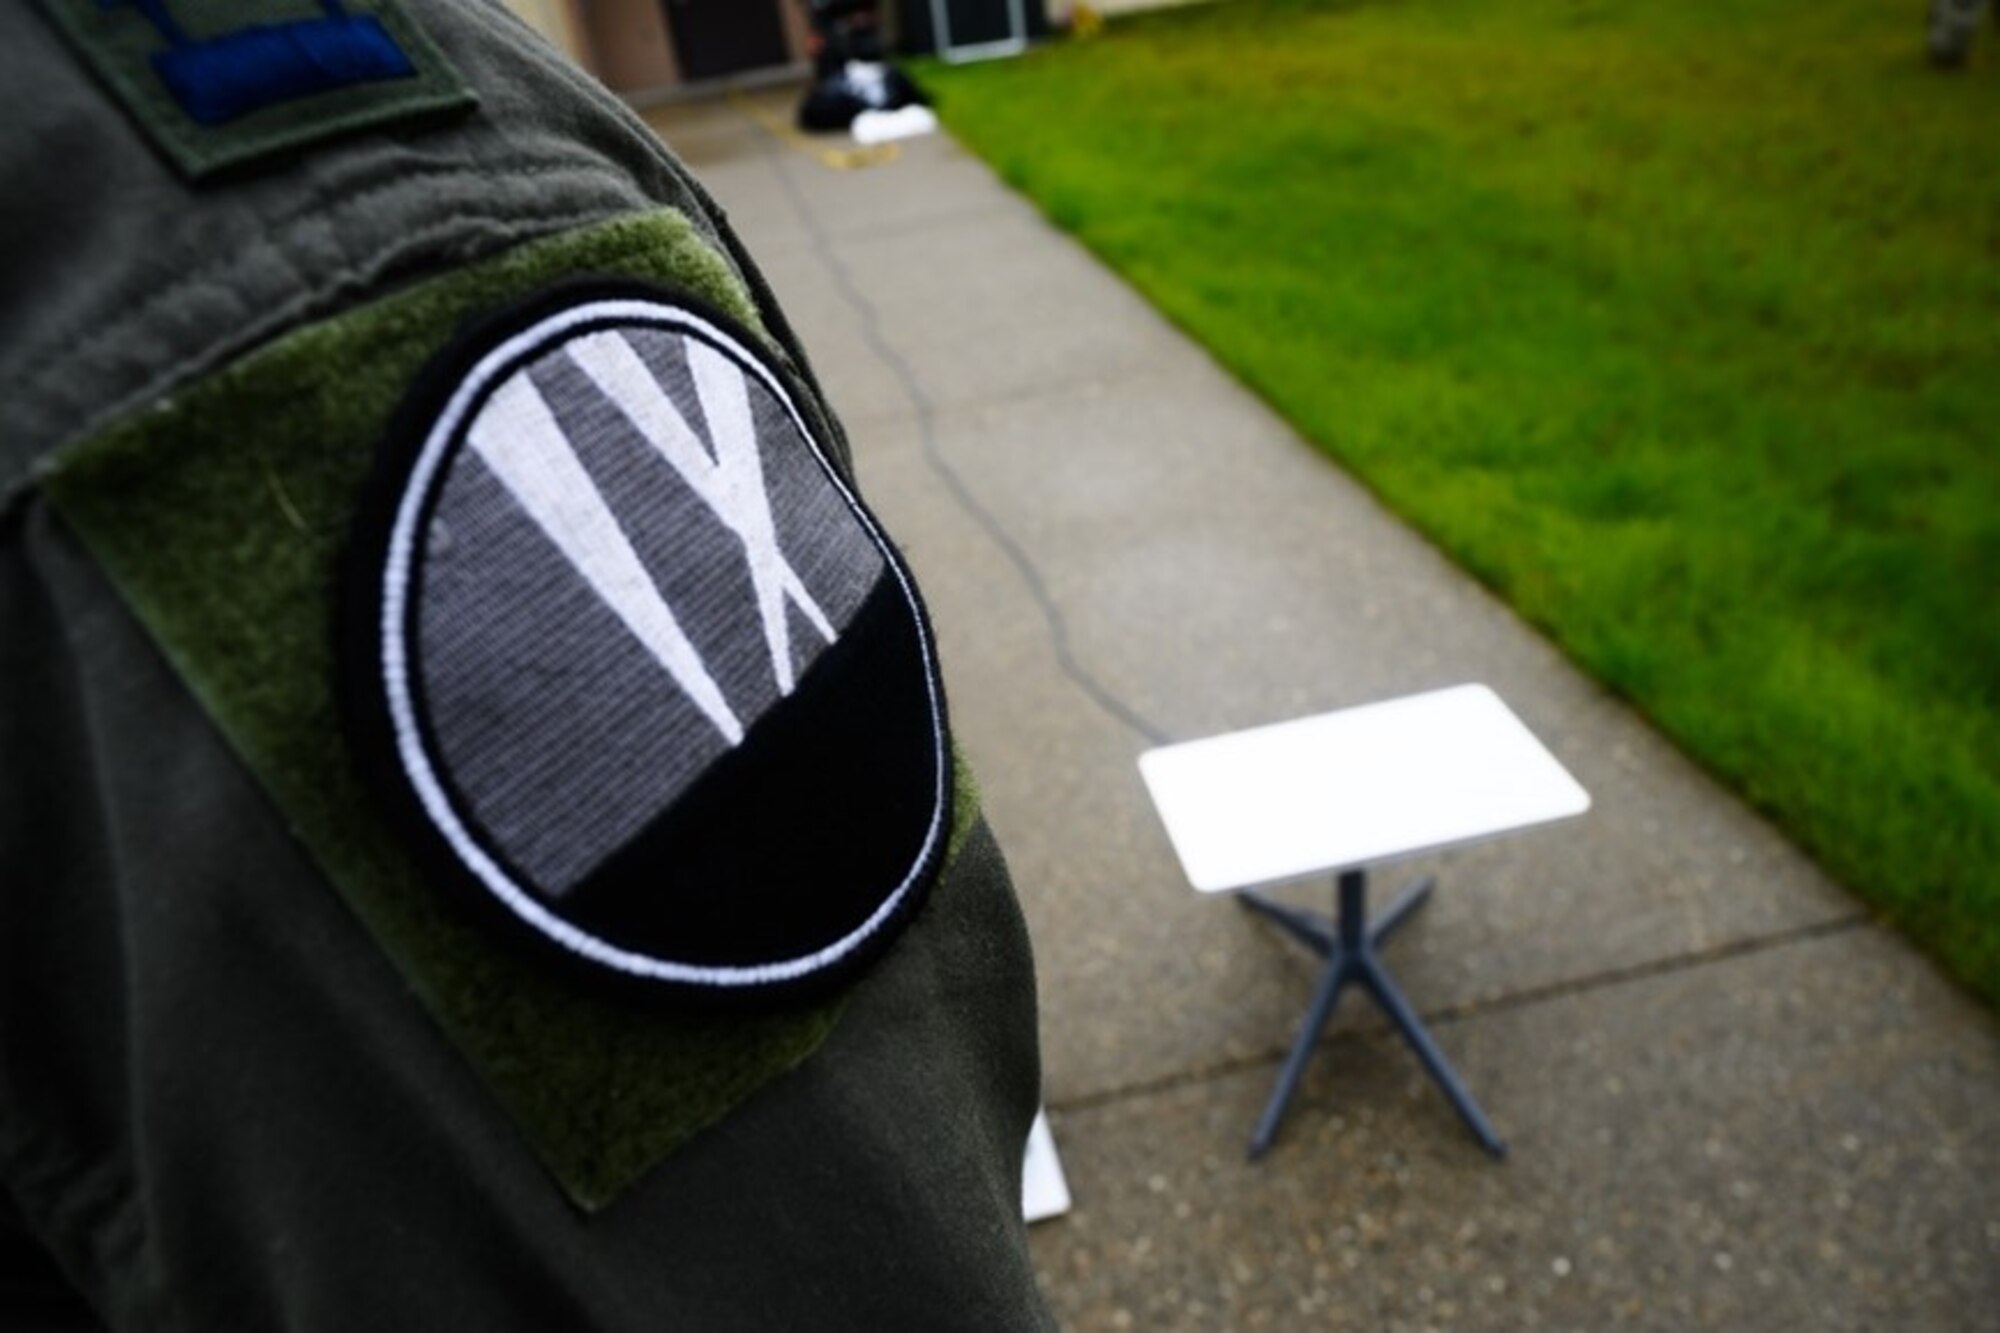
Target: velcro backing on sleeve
222,516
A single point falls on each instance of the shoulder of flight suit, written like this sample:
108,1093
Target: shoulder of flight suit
221,1103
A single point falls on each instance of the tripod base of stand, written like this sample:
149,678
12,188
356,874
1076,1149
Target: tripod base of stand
1348,944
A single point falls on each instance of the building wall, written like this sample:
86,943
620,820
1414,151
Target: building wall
629,44
798,29
561,21
633,48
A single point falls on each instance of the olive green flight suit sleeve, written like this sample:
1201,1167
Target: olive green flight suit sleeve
223,1102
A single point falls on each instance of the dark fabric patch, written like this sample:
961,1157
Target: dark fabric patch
860,815
645,675
215,91
221,518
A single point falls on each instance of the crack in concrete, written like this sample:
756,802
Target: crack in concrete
984,518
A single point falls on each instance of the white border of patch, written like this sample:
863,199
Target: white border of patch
416,762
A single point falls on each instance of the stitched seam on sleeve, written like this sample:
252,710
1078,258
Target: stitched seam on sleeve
70,344
507,225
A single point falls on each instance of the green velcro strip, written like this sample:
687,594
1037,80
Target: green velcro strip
223,84
222,515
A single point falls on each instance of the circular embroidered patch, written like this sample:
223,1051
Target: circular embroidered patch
646,674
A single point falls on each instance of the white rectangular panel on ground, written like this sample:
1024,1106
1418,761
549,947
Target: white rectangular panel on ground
1044,1191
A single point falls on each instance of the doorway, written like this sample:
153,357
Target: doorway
714,38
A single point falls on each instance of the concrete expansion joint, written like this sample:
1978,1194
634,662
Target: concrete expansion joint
1529,997
1612,978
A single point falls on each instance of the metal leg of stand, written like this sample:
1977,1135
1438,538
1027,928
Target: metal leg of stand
1331,981
1349,948
1399,1011
1412,897
1308,928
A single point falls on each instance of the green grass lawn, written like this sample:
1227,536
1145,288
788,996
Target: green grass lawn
1677,324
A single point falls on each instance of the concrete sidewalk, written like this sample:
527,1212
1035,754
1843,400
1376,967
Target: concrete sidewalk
1732,1100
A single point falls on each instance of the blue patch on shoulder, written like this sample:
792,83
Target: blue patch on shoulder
220,79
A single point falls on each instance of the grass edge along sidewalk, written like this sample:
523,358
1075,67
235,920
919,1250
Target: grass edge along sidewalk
1678,329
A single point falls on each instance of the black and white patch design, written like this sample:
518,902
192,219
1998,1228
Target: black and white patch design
645,673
